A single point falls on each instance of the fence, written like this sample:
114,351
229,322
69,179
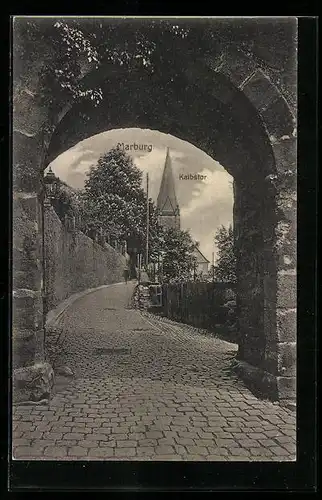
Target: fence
204,305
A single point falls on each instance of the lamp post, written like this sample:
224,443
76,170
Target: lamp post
50,190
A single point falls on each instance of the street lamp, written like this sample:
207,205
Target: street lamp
51,183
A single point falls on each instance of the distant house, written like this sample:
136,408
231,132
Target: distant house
202,262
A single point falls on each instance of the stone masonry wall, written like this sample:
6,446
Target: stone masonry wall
74,262
27,300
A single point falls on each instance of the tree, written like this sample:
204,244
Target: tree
115,201
178,261
72,52
225,268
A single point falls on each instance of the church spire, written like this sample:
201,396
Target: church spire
167,203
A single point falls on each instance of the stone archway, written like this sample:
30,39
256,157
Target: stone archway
239,117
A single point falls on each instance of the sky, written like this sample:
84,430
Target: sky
204,204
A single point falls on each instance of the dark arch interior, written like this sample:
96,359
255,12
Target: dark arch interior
218,119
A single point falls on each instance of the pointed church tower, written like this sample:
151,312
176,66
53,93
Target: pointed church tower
167,204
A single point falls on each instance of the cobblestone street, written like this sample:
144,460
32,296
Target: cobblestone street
159,391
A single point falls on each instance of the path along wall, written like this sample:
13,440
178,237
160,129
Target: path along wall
204,305
75,262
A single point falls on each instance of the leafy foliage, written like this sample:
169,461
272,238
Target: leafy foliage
115,201
64,53
178,261
225,268
70,49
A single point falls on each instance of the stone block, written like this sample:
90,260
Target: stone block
258,380
23,311
286,291
287,258
29,114
286,228
286,388
17,255
270,358
236,66
260,91
30,243
56,451
33,383
286,325
125,452
286,355
278,119
24,261
285,152
25,276
78,451
23,347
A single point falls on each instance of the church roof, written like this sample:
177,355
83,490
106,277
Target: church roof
167,202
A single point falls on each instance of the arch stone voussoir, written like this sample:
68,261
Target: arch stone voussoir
260,91
245,74
234,65
278,120
270,104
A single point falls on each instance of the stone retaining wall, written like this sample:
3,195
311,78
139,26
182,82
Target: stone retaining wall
75,262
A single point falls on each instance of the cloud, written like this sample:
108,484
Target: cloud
210,206
215,189
73,162
205,205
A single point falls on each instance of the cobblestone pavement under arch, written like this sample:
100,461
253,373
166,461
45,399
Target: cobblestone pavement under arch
159,391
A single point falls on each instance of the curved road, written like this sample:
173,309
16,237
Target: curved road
146,388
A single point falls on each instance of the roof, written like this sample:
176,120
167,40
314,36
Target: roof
200,257
167,202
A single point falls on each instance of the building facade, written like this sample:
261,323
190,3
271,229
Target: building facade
202,262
